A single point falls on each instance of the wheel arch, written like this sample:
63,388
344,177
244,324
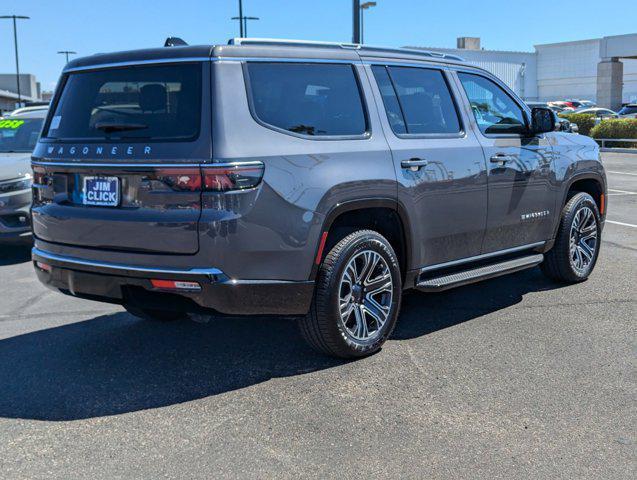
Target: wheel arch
592,183
360,210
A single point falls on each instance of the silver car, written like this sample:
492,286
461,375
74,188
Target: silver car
18,135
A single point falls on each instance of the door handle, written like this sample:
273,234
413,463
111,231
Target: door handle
414,164
503,158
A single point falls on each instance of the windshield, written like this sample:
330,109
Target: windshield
138,103
19,135
628,110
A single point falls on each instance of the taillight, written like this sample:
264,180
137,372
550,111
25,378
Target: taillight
238,176
40,177
184,179
222,178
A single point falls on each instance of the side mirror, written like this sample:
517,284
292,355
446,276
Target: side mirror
542,120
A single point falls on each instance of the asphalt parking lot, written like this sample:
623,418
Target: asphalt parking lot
517,377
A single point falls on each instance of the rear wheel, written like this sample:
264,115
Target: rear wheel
155,315
357,297
574,255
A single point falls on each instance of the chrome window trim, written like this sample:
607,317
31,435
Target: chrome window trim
132,63
122,267
483,256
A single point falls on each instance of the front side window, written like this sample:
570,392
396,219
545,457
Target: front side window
495,111
160,102
417,100
308,99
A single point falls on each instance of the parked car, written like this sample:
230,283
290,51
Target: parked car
18,136
598,112
628,111
302,179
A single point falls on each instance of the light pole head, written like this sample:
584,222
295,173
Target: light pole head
17,17
367,5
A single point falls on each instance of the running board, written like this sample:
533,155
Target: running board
465,277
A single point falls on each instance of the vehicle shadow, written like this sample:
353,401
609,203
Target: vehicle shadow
13,254
116,364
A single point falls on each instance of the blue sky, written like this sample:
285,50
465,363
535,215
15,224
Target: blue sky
90,26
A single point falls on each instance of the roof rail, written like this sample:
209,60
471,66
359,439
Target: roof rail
348,46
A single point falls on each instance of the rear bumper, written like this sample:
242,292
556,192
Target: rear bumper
119,283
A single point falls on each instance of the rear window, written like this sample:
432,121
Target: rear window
308,99
160,103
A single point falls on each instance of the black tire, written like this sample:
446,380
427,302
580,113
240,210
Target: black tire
323,328
155,315
558,262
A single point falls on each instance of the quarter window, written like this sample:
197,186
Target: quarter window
308,99
495,111
417,100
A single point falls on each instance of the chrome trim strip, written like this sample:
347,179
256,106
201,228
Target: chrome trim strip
253,163
136,62
286,60
116,165
481,257
148,165
123,267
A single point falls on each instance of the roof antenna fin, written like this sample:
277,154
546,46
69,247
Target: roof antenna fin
174,42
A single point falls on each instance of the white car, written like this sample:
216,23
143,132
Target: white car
18,135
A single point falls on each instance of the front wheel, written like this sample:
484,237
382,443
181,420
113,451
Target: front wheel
357,297
574,255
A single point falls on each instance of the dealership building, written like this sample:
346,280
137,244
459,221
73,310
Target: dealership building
30,90
602,69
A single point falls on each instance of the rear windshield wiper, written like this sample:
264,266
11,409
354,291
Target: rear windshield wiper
109,127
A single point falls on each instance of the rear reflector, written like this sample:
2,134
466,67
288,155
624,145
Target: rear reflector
175,285
319,254
43,266
602,204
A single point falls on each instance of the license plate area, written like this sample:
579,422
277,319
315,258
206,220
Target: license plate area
101,191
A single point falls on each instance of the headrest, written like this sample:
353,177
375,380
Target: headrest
152,97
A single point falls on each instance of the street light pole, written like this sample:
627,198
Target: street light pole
67,53
15,42
365,6
245,26
241,18
356,21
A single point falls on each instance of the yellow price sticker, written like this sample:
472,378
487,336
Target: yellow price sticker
11,124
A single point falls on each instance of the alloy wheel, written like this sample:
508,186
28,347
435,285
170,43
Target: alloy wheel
583,240
365,296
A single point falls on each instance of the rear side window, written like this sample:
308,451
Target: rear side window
309,99
421,96
495,111
160,103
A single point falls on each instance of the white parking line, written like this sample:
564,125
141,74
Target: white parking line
622,173
620,192
622,224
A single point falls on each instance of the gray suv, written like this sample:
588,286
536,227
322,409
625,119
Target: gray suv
296,178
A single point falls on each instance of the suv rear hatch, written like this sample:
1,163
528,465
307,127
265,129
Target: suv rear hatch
119,163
